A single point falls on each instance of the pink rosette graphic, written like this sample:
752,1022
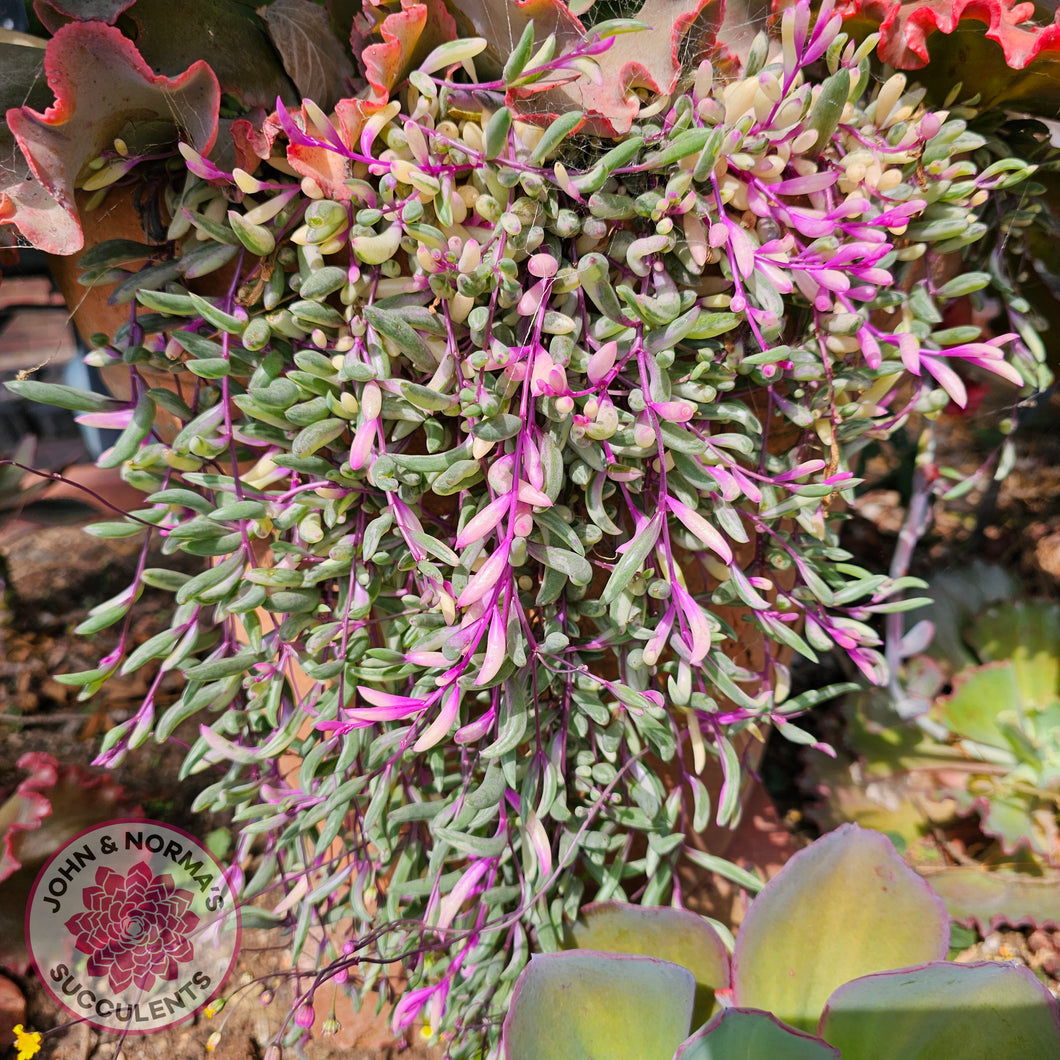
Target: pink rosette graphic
134,928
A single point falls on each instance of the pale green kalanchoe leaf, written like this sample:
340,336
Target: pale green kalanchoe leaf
670,934
845,907
581,1005
974,1011
747,1034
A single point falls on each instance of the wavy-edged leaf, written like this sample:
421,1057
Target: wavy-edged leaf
100,82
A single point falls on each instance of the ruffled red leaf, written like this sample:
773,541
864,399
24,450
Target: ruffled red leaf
408,35
905,28
55,14
101,85
994,46
48,808
328,167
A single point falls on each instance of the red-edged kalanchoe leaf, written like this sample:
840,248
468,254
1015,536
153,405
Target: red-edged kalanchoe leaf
613,1005
978,42
408,35
906,28
986,899
230,37
926,1012
103,90
326,154
49,807
747,1032
23,84
649,59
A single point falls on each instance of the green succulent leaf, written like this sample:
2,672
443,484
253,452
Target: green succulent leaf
844,907
929,1012
675,935
582,1005
747,1034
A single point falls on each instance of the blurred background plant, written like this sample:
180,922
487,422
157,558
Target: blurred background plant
978,745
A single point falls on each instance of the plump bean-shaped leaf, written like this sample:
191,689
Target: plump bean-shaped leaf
555,134
63,397
578,569
388,322
497,129
158,645
115,252
169,302
423,397
456,477
591,1006
844,907
162,578
828,109
690,142
632,559
452,52
316,436
132,436
520,55
256,238
210,367
324,281
318,314
216,316
621,155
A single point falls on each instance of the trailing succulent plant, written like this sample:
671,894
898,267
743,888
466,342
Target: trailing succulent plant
517,447
983,744
843,954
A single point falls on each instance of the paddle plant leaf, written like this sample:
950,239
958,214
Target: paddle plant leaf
584,1005
675,935
842,908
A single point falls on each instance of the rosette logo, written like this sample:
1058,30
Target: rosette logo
133,926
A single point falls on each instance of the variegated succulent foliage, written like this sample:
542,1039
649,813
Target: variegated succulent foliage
516,428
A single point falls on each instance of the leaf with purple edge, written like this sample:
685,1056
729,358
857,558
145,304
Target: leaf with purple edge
747,1034
844,907
675,935
988,898
585,1005
974,1011
101,83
